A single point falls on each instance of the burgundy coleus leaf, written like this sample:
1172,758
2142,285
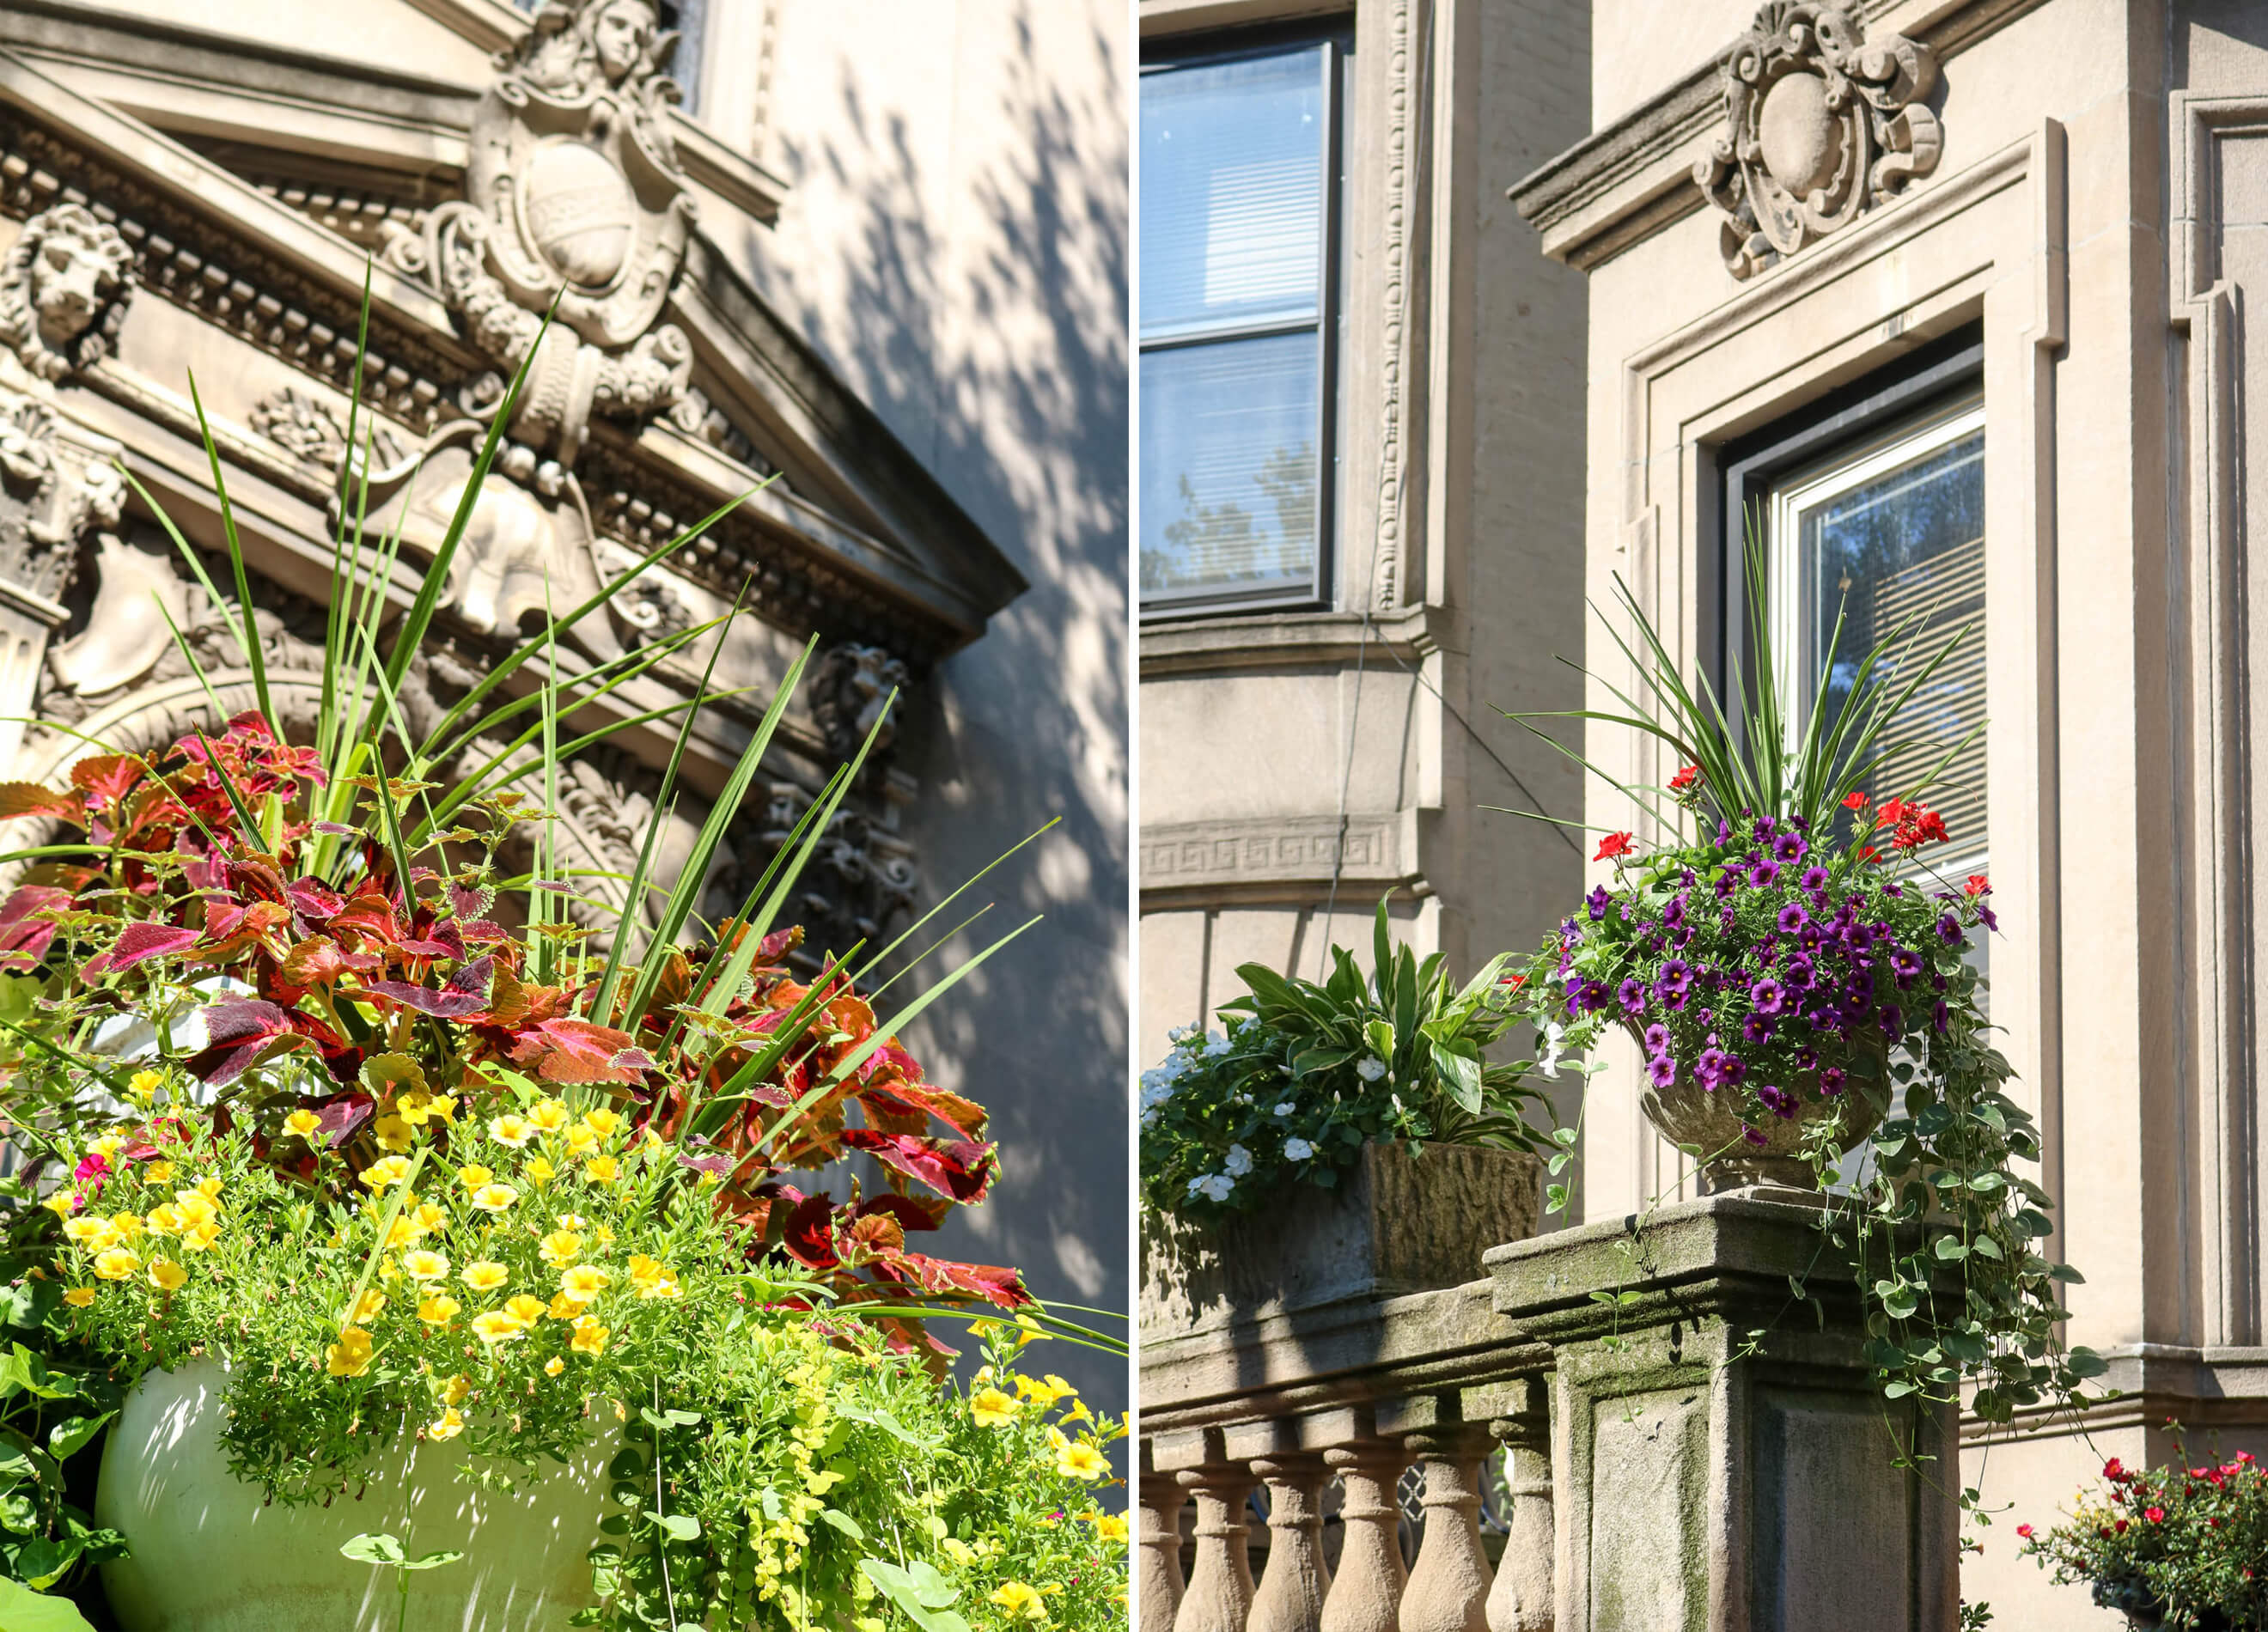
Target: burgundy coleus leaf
337,1118
240,1032
137,942
314,900
961,1169
464,995
256,880
809,1233
778,943
579,1051
232,929
1002,1288
912,1212
24,938
320,961
107,778
469,900
716,1163
965,1117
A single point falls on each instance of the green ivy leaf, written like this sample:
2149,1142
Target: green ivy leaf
373,1547
680,1526
73,1432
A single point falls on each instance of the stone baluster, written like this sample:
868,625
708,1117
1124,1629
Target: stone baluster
1220,1595
1448,1590
1291,1593
1365,1595
1522,1599
1160,1543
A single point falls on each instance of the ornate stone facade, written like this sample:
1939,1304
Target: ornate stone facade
1822,124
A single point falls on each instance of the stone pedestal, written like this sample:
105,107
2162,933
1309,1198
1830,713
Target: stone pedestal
1309,1246
1723,1460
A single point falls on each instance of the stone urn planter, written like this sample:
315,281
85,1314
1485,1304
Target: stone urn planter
1397,1223
1686,1113
212,1555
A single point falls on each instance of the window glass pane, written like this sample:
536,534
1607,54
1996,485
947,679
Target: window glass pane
1229,468
1898,541
1232,192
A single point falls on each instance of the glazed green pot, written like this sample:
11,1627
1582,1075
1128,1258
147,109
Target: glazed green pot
212,1555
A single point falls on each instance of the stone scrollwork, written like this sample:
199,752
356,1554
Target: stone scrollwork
574,194
851,684
1822,124
63,290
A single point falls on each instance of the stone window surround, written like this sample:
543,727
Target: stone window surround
1982,246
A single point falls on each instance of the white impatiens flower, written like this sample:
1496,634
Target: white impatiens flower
1216,1046
1370,1068
1217,1187
1237,1163
1297,1150
1285,1109
1181,1033
1549,1063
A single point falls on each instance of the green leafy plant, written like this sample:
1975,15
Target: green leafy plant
379,1547
1306,1073
318,1083
1795,972
2187,1544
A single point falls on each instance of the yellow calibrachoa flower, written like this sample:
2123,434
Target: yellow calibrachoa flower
1078,1413
405,1231
472,1175
425,1265
554,1367
525,1310
62,1203
439,1310
584,1282
391,1132
385,1171
1045,1394
495,1327
305,1124
160,1172
579,1223
561,1249
538,1171
116,1263
602,1170
199,1237
550,1116
1081,1460
164,1219
1108,1527
604,1235
652,1278
80,1297
581,1141
350,1355
513,1131
107,1146
454,1391
210,1188
992,1409
431,1217
92,1233
448,1426
144,1085
603,1122
128,1226
590,1337
1022,1602
495,1198
563,1307
485,1276
367,1308
166,1275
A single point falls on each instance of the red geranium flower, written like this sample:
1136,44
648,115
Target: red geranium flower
1685,778
2155,1515
1854,801
1978,885
1613,847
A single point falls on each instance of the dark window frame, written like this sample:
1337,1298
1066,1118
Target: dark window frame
1929,376
1336,35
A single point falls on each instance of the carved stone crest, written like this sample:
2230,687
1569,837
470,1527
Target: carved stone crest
54,486
573,193
64,289
850,684
1821,125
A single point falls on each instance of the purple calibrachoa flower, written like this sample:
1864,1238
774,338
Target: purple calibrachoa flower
1631,995
1949,929
1796,971
1709,1070
1831,1080
1767,996
1754,1137
1777,1099
1813,878
1764,874
1675,978
1657,1038
1661,1070
1728,881
1596,900
1735,1071
1790,848
1905,963
1942,1020
1893,1021
1756,1028
1791,918
1673,914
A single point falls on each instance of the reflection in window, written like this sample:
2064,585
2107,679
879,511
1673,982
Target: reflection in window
1237,160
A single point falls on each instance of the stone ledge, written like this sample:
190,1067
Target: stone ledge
1288,640
1379,850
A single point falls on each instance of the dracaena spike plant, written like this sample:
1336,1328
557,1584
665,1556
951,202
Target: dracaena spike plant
1795,973
312,1079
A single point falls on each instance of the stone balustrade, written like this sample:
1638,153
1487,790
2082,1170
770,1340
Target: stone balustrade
1360,1392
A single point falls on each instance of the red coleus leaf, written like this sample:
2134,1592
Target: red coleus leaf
29,799
319,961
577,1051
912,1212
960,1169
1002,1288
809,1233
242,1032
965,1117
24,937
312,899
106,778
138,942
465,995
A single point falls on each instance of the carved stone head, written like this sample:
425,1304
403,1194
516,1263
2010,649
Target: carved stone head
63,288
622,35
851,683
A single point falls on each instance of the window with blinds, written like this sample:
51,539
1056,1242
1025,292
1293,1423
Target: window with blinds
1239,156
1889,533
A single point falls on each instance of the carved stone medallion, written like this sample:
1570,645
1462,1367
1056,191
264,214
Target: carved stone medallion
1821,125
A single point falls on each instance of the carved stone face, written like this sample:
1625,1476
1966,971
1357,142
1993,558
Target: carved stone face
70,279
621,34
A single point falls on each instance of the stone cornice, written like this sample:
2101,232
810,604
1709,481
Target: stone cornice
902,565
1628,181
